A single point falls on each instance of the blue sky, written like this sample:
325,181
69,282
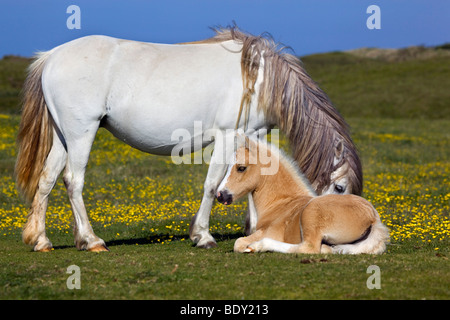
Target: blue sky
306,26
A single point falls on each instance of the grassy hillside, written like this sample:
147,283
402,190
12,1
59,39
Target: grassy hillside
12,76
400,85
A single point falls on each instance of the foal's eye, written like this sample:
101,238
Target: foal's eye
241,168
339,189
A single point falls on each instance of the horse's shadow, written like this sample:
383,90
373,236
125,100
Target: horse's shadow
158,239
162,237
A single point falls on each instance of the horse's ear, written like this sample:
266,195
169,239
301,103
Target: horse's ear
339,150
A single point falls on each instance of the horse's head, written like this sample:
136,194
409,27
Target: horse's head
342,176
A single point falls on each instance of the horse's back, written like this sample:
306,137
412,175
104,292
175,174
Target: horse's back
137,88
74,82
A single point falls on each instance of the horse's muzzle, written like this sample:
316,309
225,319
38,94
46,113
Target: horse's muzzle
224,197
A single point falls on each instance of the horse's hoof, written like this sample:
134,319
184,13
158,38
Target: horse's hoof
99,248
208,245
46,249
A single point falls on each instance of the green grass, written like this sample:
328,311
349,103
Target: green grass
12,76
141,205
179,271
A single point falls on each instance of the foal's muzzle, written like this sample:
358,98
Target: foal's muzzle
224,197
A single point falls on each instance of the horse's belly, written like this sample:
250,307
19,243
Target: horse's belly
154,138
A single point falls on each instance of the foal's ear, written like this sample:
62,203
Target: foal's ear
241,140
339,150
247,142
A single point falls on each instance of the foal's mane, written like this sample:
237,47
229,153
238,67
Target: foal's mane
288,163
290,99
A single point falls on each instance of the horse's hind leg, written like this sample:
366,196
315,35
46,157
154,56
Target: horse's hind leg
78,149
34,230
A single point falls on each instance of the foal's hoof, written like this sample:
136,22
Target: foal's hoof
208,245
46,249
249,250
99,248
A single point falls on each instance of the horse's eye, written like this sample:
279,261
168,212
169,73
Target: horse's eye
339,189
241,169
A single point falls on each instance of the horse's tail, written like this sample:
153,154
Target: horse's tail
35,135
375,243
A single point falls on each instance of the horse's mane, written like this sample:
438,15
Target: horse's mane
291,100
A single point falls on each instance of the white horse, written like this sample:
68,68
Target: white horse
142,92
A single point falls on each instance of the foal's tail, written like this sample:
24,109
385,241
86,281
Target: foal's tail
375,243
35,135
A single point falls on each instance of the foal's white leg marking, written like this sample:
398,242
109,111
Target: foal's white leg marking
268,244
34,230
252,216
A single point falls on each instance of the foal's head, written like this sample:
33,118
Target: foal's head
243,174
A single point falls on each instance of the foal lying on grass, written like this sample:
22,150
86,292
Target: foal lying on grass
291,217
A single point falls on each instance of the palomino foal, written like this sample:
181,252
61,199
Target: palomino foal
291,217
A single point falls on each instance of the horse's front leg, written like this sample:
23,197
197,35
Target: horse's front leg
199,228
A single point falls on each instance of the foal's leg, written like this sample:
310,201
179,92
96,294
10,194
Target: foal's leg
268,244
241,244
34,230
78,149
311,231
252,217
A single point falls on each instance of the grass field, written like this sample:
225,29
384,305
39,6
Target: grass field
141,205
